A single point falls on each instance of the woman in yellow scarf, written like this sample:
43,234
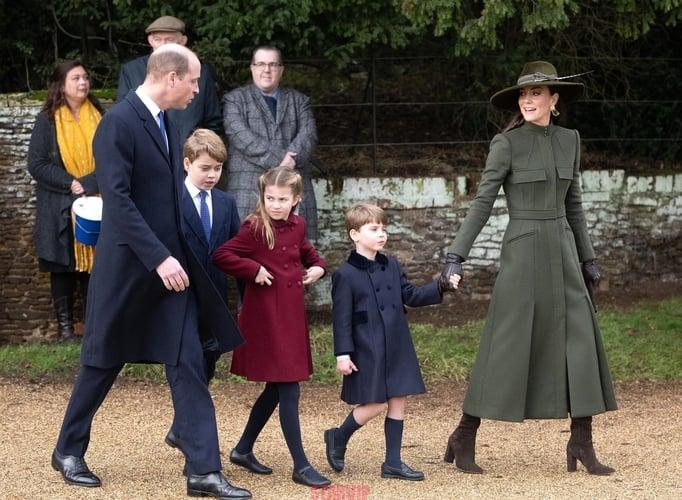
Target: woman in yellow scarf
61,162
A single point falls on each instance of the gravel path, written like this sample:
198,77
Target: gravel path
641,440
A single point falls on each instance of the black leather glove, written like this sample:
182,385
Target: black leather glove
592,276
453,265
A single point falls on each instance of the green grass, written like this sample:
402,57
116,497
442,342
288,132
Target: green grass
642,343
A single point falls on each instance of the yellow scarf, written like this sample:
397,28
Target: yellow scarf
75,147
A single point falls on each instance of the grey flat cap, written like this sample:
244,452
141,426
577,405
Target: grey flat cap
166,23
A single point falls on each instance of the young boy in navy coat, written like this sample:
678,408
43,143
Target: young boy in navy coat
372,342
210,218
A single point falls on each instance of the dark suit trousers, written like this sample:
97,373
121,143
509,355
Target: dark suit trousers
194,410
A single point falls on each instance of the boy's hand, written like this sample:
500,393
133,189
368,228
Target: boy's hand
312,274
346,366
264,277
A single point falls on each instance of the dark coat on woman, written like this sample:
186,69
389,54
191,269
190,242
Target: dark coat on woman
131,317
272,318
52,231
541,352
368,299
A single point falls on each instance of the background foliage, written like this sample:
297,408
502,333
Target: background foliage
451,50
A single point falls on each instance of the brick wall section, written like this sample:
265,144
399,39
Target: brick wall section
635,223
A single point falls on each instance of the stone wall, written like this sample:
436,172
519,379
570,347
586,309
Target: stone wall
635,223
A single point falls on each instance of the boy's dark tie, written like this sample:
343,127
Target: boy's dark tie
205,216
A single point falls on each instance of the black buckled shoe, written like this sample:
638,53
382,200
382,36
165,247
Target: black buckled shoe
173,441
249,462
308,476
402,472
335,456
214,484
74,470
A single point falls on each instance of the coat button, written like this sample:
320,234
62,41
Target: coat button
298,283
378,289
388,286
381,307
383,268
295,245
284,249
289,284
286,266
393,306
281,230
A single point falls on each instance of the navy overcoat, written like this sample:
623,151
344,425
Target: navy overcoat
224,226
130,316
368,299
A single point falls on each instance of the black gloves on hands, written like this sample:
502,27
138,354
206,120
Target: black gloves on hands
453,265
592,276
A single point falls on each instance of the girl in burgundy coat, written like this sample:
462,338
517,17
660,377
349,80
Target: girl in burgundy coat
272,256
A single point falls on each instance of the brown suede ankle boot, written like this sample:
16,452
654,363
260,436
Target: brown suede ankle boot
462,445
580,447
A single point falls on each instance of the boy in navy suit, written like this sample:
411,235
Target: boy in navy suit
210,218
372,342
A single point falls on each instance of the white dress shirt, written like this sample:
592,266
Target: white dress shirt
196,198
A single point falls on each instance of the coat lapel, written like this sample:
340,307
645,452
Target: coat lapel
218,219
192,220
257,96
150,125
282,104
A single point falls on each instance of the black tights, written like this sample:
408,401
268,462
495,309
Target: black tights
64,285
286,394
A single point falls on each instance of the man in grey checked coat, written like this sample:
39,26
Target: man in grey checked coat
268,126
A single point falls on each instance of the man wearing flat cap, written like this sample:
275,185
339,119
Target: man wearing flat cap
204,111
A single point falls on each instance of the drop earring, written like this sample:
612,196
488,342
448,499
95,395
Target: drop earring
554,111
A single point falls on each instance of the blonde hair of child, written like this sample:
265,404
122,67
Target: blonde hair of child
206,141
364,213
280,177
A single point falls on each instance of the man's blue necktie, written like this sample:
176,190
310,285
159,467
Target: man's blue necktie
272,104
162,126
205,216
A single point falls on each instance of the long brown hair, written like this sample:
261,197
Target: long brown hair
517,120
280,177
55,90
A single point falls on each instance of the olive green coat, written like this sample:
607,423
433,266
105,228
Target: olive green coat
541,352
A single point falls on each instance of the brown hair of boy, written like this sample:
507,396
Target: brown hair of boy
206,141
364,213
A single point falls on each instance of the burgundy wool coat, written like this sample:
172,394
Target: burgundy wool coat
272,319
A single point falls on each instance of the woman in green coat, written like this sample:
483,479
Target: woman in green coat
541,352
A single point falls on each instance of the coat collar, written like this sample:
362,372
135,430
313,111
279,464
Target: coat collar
290,221
361,262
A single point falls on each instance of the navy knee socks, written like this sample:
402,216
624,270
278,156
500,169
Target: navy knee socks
345,431
393,430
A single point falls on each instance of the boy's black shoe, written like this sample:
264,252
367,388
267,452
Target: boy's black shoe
402,472
249,461
173,441
335,455
308,476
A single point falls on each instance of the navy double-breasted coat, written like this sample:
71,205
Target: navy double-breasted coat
131,316
369,322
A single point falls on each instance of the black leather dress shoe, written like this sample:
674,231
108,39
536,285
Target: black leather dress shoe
74,470
402,472
173,441
249,461
335,455
214,484
308,476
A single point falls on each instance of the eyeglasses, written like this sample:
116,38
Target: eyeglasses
263,65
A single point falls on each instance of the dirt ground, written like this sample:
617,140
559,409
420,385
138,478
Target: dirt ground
641,440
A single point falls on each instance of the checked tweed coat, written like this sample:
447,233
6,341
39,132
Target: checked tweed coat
541,352
259,141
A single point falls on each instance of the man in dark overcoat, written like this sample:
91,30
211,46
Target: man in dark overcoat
269,126
147,289
204,110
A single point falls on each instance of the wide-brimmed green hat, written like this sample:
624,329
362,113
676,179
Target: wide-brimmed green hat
533,74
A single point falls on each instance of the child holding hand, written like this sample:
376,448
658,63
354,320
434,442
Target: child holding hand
372,340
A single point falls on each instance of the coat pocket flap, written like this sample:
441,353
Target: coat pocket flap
359,318
565,172
521,176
